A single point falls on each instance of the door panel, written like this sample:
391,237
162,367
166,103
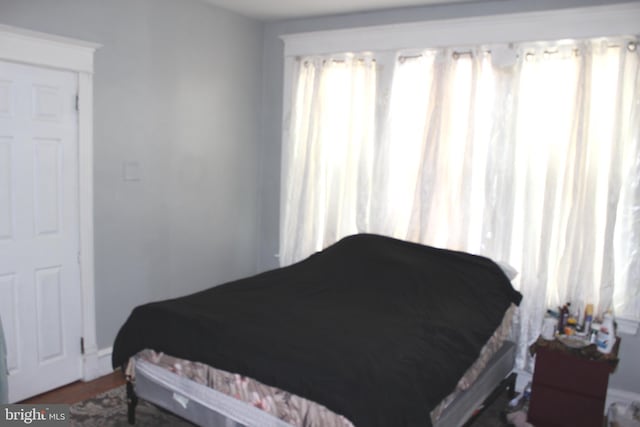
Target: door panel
49,312
47,185
39,228
6,199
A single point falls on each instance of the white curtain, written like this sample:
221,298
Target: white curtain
528,155
327,166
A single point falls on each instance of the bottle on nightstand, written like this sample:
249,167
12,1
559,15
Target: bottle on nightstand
588,319
562,319
606,336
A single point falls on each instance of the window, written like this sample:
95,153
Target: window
527,153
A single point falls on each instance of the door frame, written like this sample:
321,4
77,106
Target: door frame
46,50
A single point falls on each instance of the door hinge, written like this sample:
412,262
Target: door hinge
81,345
77,102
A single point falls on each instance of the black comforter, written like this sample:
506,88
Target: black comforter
376,329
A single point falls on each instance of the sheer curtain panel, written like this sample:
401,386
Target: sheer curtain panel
329,153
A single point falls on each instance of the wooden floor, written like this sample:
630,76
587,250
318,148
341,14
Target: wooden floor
79,391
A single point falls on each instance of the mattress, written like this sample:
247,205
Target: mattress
230,392
205,406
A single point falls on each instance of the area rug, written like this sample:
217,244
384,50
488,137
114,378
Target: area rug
109,409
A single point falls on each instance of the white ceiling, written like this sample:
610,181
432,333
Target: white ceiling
282,9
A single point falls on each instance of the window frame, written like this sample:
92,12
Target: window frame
494,30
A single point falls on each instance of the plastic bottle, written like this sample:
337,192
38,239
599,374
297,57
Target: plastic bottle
588,319
606,336
564,316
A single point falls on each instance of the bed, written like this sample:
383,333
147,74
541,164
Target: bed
371,331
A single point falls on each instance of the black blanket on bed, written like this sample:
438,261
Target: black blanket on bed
376,329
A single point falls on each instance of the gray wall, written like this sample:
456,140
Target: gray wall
177,87
627,376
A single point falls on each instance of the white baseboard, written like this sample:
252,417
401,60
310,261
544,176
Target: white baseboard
613,394
621,396
97,364
104,361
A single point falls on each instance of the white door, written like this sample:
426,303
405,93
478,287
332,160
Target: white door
39,229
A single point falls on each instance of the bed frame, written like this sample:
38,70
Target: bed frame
208,407
496,378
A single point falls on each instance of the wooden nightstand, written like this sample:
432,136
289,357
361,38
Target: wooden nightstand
569,385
